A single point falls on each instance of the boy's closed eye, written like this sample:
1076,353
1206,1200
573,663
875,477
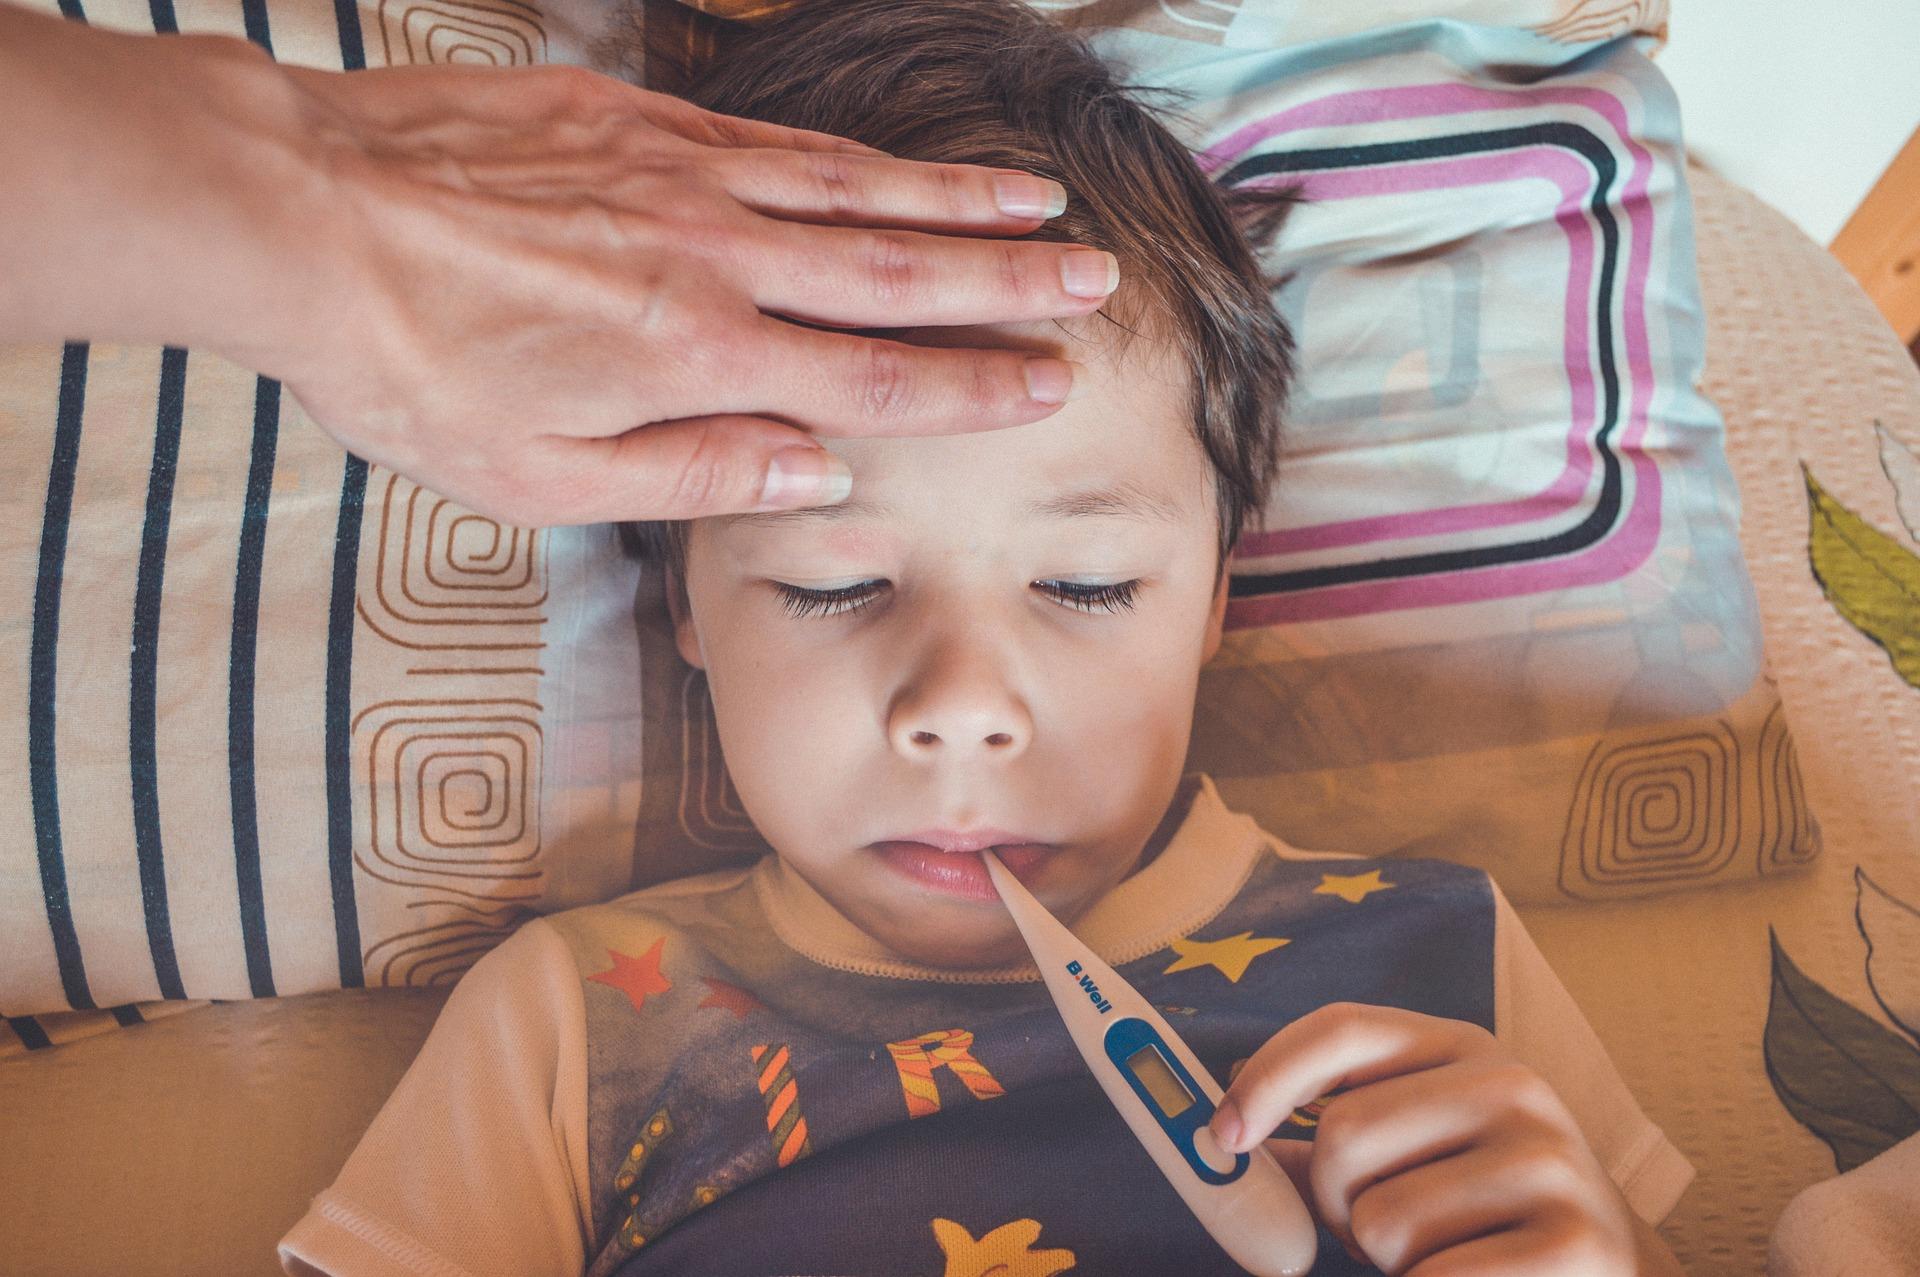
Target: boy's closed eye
1081,596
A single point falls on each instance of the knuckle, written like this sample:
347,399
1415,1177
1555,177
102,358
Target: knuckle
1474,1036
727,130
894,270
510,501
1526,1091
884,383
1543,1166
575,86
707,480
955,196
837,187
1016,276
1575,1244
1338,1020
984,391
1336,1123
655,313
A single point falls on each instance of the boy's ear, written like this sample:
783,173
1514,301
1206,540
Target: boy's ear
685,636
1217,616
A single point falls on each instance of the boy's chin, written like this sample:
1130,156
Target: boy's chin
1000,947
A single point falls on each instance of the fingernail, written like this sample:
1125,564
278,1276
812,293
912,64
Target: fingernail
1227,1126
1023,195
1089,272
1052,380
861,148
801,476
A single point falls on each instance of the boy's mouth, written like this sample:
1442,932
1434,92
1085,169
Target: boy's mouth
949,861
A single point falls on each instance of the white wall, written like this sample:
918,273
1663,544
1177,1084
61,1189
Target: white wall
1804,102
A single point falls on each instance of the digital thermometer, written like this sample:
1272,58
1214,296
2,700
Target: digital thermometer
1166,1096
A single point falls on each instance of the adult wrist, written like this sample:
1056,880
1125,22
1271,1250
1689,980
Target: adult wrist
156,185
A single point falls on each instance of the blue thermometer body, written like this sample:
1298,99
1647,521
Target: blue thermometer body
1165,1094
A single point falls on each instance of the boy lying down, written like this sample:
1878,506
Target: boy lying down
841,1060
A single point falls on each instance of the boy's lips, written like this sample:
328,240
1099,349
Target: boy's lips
950,862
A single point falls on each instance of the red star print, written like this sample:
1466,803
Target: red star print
731,996
636,977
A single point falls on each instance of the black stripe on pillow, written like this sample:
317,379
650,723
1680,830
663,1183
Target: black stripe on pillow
255,14
346,559
240,686
1608,504
28,1030
339,747
346,16
43,777
127,1015
143,672
164,22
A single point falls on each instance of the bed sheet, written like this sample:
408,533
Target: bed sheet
189,1145
1761,1025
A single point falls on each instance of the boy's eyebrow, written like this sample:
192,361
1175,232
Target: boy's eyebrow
1124,499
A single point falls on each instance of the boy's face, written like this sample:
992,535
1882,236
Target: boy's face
998,636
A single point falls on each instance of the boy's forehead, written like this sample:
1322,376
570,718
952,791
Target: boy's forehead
1123,445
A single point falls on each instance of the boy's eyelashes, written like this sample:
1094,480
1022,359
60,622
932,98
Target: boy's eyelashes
1082,597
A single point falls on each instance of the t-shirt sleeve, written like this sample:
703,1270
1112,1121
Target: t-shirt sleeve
1538,1020
477,1162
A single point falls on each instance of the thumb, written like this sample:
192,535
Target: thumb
692,468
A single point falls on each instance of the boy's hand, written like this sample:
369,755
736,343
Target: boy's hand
1441,1155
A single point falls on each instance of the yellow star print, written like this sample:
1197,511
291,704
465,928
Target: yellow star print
1354,889
1232,955
1007,1251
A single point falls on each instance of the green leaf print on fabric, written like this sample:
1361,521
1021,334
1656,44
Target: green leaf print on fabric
1870,578
1848,1079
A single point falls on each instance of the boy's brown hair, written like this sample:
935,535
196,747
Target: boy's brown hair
992,82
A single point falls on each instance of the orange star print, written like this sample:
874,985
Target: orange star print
639,978
1006,1251
730,996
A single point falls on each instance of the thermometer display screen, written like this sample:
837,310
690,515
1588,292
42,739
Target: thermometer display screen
1151,1068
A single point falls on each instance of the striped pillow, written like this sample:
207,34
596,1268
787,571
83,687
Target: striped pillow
287,721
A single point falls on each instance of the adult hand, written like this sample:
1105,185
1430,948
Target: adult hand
545,293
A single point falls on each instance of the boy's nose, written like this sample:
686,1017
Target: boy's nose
924,742
954,717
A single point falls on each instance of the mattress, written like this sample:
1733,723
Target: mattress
188,1145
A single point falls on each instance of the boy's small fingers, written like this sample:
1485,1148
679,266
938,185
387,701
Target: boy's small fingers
1343,1044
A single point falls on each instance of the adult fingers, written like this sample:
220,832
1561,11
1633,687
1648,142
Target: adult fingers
845,384
860,278
685,469
1338,1045
861,190
711,128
